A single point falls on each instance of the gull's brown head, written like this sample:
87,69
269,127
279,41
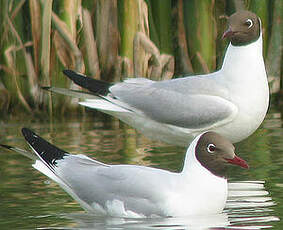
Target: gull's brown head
243,28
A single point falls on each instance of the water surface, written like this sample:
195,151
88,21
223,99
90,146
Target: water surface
29,200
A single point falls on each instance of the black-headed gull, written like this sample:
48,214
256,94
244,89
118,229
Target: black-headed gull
232,101
140,191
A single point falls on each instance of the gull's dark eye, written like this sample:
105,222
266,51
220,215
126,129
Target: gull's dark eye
249,23
211,148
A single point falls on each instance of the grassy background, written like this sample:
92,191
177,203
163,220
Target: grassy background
115,39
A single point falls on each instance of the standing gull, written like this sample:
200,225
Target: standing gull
232,101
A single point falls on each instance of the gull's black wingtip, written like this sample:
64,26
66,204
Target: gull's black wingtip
67,71
95,86
45,88
6,146
46,151
71,73
27,133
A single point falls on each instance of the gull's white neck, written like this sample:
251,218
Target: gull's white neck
243,74
243,56
243,69
199,187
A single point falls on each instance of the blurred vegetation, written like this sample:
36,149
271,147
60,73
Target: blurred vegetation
112,40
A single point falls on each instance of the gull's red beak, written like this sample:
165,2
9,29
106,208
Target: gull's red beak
238,161
228,33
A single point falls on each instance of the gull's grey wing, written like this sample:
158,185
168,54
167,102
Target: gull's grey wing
108,181
188,103
90,180
100,186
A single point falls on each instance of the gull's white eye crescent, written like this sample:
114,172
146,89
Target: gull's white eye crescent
210,148
249,23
